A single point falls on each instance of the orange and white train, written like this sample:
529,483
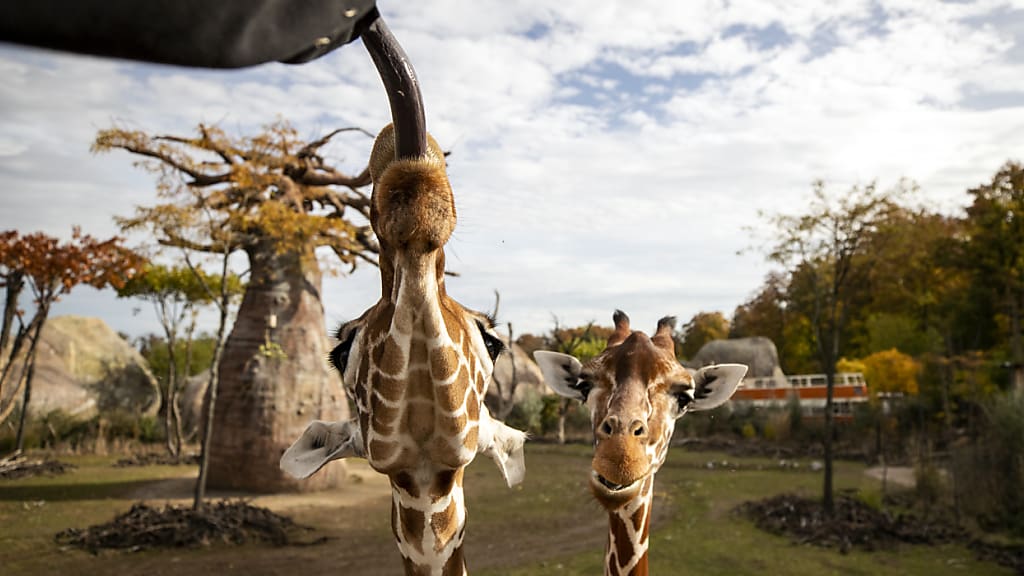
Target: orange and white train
807,389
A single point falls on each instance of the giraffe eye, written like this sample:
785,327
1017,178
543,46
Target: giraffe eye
494,345
584,386
339,356
683,395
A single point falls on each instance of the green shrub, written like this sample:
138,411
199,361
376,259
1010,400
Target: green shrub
990,471
526,414
60,429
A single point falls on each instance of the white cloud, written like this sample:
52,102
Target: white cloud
604,155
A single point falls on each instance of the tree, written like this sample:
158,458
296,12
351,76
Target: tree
995,253
824,249
505,391
51,269
222,294
701,329
276,199
764,314
176,294
769,313
892,372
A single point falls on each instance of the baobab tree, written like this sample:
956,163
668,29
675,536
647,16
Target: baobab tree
274,198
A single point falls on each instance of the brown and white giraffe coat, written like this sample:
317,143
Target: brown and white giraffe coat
417,365
635,390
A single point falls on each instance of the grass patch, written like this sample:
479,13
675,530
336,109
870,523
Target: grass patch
549,525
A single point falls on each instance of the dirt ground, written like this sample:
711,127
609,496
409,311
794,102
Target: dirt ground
362,485
353,524
549,525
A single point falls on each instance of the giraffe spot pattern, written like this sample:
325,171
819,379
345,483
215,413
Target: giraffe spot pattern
443,363
445,525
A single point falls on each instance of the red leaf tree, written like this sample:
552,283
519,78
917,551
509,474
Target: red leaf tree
49,268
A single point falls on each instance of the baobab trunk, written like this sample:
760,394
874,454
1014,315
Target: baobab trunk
274,377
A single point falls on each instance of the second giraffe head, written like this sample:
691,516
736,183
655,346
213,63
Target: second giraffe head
635,390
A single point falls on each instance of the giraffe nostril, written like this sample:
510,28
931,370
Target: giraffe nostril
639,431
606,427
637,427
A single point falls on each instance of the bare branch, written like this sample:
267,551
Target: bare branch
310,149
324,176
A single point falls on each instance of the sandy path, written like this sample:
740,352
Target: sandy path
897,475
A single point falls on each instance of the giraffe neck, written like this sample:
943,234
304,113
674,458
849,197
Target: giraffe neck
628,529
428,518
421,410
421,426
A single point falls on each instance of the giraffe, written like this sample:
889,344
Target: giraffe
635,390
416,365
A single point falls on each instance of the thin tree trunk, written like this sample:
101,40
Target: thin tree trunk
563,412
827,501
30,360
19,342
169,394
210,402
186,372
830,353
15,283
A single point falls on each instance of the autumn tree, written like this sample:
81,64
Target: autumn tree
275,198
824,251
994,250
891,372
51,268
769,314
701,329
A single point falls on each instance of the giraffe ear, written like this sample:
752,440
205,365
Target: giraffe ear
713,386
321,443
504,445
562,374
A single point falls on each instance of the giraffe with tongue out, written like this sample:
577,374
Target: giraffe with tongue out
417,365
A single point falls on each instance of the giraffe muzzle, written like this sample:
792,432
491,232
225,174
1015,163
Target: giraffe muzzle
611,486
612,495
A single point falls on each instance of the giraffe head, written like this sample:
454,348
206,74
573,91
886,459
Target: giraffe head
412,210
635,390
417,363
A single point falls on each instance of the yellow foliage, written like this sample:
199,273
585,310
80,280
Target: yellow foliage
891,371
846,365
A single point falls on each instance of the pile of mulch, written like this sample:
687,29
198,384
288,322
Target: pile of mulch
226,522
855,524
1011,556
160,459
21,467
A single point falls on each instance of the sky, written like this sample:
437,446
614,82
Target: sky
603,155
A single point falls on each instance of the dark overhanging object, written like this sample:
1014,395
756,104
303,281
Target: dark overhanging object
225,34
198,33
